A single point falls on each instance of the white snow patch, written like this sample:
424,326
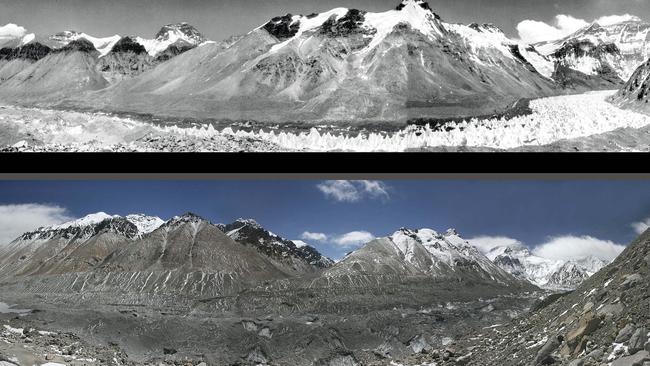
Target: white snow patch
619,349
11,329
300,243
608,282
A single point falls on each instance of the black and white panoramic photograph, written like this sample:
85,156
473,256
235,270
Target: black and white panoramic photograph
425,272
320,76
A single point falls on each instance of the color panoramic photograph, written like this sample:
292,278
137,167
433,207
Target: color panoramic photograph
427,272
321,76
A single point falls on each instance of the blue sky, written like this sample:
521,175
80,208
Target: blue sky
532,212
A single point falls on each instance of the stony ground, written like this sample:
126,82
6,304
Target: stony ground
149,335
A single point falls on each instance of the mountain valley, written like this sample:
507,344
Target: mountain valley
148,291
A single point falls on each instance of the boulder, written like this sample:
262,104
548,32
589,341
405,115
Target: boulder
543,356
587,325
638,340
596,354
631,281
625,333
637,359
610,310
419,344
577,362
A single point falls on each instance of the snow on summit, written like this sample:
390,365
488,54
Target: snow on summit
170,34
87,220
416,13
144,223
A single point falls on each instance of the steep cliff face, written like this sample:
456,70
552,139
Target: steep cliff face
635,94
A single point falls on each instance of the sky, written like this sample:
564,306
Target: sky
219,19
556,218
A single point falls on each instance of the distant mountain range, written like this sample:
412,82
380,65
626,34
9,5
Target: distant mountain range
340,65
175,254
545,273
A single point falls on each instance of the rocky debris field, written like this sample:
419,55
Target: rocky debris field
27,342
136,335
606,321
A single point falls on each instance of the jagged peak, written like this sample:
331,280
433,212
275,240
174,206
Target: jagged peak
167,32
86,227
249,222
128,44
485,27
88,220
405,3
451,232
81,45
65,34
188,217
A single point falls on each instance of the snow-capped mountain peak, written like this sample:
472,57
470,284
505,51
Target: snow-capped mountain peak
88,220
519,261
183,31
618,43
144,223
249,222
131,226
179,33
103,45
250,232
188,217
375,26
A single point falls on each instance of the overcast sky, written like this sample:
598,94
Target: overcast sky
558,218
219,19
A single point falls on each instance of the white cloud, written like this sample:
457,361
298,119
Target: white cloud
353,238
11,31
18,219
576,247
375,188
533,31
642,226
614,19
313,236
353,190
487,243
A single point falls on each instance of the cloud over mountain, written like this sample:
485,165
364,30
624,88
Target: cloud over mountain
17,219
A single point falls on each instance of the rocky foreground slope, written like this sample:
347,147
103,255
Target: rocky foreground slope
635,94
605,321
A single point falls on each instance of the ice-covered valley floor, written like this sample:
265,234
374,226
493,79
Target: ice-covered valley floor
557,123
